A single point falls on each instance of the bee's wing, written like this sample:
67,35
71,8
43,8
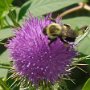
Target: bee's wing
81,37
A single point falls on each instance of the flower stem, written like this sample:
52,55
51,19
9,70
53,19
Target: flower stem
81,5
87,7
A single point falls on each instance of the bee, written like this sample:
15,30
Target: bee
64,32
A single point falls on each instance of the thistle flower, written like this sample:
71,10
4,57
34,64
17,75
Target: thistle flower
33,57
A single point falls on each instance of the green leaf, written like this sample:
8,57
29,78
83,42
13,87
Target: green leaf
1,88
3,73
6,33
3,84
77,21
5,58
42,7
86,85
83,43
4,7
4,64
23,10
87,61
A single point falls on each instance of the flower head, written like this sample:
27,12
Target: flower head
33,57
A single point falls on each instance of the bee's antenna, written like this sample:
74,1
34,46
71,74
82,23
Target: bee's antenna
53,20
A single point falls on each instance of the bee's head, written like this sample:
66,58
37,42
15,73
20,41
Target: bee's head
52,30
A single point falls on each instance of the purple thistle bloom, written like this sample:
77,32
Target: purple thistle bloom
33,57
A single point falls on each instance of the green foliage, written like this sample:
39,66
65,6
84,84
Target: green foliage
86,85
83,45
77,21
47,6
3,72
4,85
24,9
4,64
42,7
4,7
4,58
6,33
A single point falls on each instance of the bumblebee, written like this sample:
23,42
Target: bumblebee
64,32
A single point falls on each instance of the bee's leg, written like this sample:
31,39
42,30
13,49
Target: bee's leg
53,20
51,41
65,43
